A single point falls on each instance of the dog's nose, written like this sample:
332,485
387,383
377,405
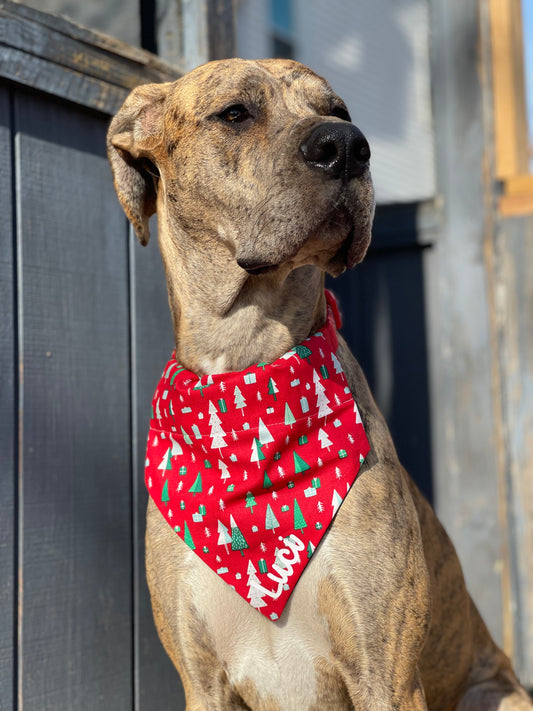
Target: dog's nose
338,149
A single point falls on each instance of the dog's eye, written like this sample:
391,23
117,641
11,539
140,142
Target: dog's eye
236,113
341,112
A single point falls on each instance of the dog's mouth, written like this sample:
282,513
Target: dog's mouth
341,256
254,268
356,230
350,253
335,244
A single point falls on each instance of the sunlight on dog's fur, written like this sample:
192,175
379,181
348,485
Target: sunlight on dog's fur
251,216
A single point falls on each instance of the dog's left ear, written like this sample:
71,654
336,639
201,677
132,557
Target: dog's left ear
133,137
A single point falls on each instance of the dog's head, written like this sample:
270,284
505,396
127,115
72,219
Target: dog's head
259,156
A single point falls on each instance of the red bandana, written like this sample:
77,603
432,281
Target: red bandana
250,468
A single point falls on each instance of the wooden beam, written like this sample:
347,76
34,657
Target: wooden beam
58,57
466,437
8,416
191,33
508,88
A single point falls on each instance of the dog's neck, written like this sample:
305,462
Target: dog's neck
226,320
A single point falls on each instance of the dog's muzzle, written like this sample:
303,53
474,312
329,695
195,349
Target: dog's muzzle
339,150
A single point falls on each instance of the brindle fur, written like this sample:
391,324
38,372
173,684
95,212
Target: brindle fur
381,618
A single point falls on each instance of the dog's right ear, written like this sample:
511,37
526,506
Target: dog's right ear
133,138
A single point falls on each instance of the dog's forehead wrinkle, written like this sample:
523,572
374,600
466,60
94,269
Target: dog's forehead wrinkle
253,82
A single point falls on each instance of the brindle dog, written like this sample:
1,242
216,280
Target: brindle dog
261,185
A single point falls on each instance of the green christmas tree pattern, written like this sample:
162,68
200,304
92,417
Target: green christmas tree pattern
299,465
303,352
197,486
273,420
250,501
165,498
238,542
188,538
289,417
272,388
299,520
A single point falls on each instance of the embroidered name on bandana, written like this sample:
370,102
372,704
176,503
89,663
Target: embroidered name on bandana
249,468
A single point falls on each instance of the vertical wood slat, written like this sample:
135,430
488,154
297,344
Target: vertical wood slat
8,416
76,568
191,33
465,420
157,682
514,291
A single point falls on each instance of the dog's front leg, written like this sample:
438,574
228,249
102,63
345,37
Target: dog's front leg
376,597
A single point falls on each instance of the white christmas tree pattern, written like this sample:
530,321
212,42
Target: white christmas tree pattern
324,440
322,400
217,433
336,501
224,469
264,435
271,522
254,593
166,463
257,452
223,536
306,440
240,402
176,448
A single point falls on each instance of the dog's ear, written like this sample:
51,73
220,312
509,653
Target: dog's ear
132,141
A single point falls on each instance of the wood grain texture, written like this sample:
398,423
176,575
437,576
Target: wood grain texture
514,294
157,682
64,83
509,96
76,567
73,53
8,416
464,428
95,39
53,55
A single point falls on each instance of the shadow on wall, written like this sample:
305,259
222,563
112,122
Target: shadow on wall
384,322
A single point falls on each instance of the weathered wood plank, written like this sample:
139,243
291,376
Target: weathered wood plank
514,294
51,54
157,682
464,428
76,567
8,415
92,61
57,23
61,82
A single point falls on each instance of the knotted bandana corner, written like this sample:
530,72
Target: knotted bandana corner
249,468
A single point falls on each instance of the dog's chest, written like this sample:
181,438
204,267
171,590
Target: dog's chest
279,662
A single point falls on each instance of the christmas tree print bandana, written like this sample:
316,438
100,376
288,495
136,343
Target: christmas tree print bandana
249,468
